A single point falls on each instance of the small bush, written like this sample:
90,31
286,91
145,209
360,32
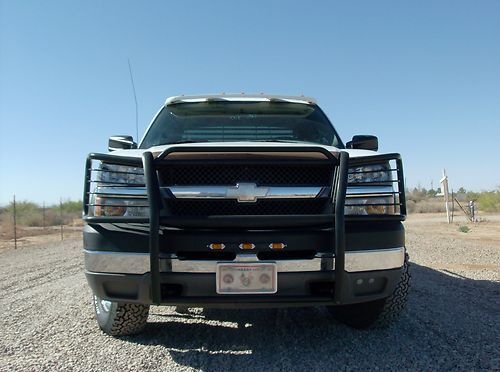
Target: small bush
463,228
70,206
489,201
411,206
26,213
430,206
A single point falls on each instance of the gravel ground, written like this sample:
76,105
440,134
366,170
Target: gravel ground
452,320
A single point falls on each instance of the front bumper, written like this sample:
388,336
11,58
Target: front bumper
124,277
370,274
198,289
139,263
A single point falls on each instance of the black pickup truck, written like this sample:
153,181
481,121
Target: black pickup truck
244,201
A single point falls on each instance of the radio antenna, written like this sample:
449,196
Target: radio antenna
135,100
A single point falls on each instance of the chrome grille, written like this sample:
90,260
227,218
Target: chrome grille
247,188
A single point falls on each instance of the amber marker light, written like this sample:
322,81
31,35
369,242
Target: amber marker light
216,246
277,246
247,246
112,210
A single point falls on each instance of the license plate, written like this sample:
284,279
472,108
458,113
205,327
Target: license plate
246,278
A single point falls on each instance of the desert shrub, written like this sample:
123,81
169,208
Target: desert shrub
32,215
32,220
417,194
411,206
430,206
420,200
6,228
463,228
26,213
470,195
71,207
489,201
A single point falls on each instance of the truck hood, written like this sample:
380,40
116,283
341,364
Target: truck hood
157,150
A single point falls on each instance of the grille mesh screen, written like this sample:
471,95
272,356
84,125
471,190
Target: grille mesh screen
260,174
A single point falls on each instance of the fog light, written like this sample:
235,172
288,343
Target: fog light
216,246
277,246
247,246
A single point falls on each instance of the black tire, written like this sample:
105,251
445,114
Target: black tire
120,318
378,313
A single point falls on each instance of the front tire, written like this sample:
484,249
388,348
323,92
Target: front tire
120,318
379,313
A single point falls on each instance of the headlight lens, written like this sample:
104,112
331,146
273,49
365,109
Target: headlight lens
117,190
120,175
370,190
369,173
363,206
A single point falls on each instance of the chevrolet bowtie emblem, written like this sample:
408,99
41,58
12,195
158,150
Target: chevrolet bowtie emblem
246,192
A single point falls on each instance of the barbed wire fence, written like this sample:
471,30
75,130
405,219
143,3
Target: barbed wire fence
22,219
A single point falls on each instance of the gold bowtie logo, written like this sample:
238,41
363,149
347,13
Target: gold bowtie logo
246,192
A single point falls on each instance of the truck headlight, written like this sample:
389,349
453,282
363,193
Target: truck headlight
117,190
120,174
371,173
370,190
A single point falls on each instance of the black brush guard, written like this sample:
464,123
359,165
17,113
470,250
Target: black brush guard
159,214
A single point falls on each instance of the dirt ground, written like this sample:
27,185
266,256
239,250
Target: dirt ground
479,234
486,229
30,236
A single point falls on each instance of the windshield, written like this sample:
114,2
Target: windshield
241,121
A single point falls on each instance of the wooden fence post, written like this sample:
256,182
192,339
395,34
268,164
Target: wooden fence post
61,217
15,223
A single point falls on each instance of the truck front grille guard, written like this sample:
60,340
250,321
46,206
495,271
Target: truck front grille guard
338,161
374,189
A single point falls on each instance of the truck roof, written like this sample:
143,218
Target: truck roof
239,97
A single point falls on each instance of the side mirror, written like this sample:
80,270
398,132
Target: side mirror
363,142
121,143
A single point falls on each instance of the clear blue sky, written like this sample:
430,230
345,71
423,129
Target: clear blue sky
424,76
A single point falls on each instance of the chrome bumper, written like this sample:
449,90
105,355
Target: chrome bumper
138,263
